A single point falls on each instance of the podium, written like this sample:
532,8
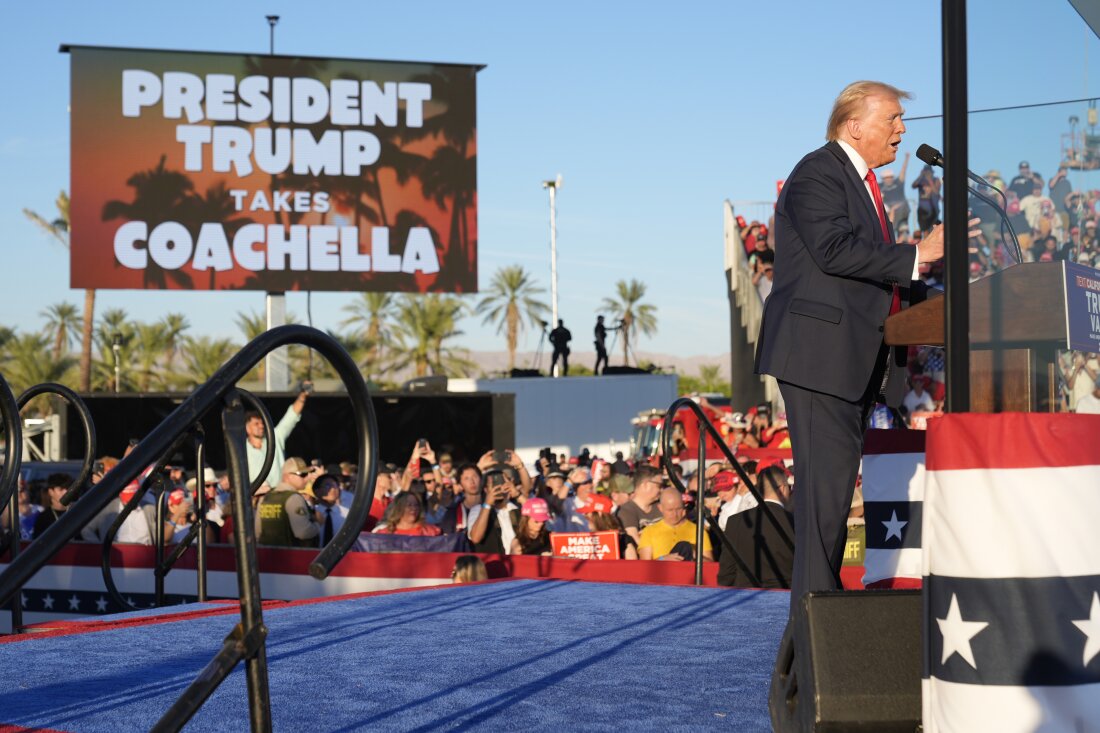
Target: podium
1019,318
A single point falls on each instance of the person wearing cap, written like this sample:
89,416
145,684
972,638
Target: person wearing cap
330,512
181,515
1023,183
601,519
726,485
283,516
256,443
572,517
893,196
669,537
493,523
217,505
532,536
642,510
918,399
468,496
757,542
619,488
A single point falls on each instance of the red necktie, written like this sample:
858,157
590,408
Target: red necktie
895,302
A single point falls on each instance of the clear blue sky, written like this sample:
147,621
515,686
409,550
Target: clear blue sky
654,113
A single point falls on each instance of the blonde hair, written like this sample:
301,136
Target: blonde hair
469,569
850,102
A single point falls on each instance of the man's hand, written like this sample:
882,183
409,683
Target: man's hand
672,556
930,248
485,461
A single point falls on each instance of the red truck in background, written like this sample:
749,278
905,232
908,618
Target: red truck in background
646,440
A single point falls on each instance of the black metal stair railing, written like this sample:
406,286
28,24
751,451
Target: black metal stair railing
247,641
74,489
706,428
197,533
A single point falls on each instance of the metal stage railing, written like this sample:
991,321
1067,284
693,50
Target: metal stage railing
197,533
246,642
16,458
706,428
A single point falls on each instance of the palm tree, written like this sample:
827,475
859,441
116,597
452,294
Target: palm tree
374,311
30,362
635,315
160,194
62,320
58,228
114,322
150,345
510,297
710,378
203,356
422,328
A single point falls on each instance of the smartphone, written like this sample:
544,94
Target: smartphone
305,386
317,462
501,456
422,444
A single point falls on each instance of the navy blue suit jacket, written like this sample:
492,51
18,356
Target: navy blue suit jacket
834,277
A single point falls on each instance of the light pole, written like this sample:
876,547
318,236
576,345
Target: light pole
553,185
116,344
276,363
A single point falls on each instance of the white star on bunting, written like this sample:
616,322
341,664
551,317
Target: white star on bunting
74,603
47,602
893,526
958,633
1090,627
101,604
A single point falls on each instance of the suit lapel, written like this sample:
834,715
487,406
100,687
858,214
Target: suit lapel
853,176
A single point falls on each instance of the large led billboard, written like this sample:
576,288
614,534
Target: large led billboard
210,171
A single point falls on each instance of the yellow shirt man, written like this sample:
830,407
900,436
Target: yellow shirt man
661,537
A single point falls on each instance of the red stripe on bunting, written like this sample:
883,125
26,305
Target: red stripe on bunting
1012,440
880,442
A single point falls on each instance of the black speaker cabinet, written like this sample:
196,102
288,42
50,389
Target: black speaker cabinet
850,661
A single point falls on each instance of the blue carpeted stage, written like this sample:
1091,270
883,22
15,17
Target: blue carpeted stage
507,655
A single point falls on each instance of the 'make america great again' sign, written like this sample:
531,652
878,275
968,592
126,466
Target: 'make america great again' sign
203,171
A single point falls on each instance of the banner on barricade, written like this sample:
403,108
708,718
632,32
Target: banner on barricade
893,495
217,171
585,545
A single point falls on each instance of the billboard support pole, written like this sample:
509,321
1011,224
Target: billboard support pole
276,367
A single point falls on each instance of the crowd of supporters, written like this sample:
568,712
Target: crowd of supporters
495,504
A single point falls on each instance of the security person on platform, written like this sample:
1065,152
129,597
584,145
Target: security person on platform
601,344
283,516
560,338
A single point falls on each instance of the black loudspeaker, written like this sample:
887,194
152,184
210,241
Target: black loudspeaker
850,661
613,370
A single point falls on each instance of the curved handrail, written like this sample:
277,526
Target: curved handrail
85,422
705,424
163,564
204,398
13,432
128,508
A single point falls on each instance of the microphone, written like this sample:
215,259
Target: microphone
931,156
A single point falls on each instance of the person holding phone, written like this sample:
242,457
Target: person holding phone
492,524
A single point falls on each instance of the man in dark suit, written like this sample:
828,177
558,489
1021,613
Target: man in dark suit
756,539
838,274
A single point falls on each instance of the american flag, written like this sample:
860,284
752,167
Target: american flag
1011,563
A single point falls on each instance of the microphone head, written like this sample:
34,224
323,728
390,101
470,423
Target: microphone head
930,155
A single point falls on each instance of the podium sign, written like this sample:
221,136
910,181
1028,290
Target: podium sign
1082,307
